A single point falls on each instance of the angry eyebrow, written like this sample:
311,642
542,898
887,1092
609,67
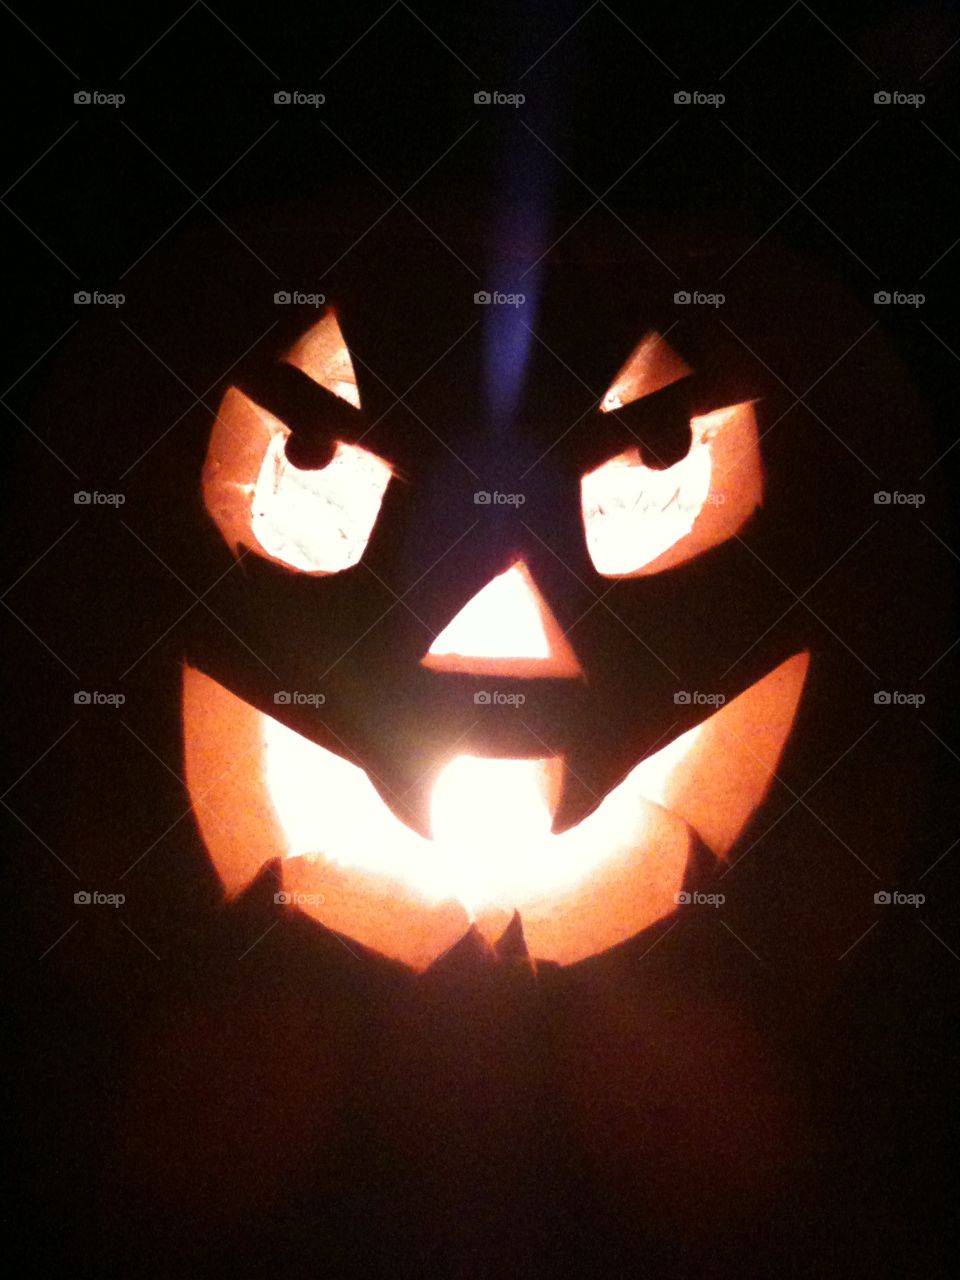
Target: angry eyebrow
652,365
322,354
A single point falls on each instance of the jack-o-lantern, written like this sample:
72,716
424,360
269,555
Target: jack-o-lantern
415,783
352,719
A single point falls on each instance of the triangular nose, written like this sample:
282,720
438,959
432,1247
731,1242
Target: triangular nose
506,629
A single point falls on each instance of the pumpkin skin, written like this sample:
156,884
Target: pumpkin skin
385,724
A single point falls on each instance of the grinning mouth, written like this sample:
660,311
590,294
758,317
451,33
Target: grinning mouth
261,791
491,844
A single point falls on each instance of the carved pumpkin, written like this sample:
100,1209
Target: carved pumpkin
474,803
644,1081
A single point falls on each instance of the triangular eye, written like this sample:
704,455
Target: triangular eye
653,365
322,355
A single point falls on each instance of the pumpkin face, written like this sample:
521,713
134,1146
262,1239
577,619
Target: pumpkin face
433,726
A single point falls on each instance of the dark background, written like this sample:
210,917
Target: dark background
141,1152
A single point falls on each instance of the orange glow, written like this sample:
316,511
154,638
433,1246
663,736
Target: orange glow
318,520
490,817
261,791
639,520
506,629
323,356
491,845
652,366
